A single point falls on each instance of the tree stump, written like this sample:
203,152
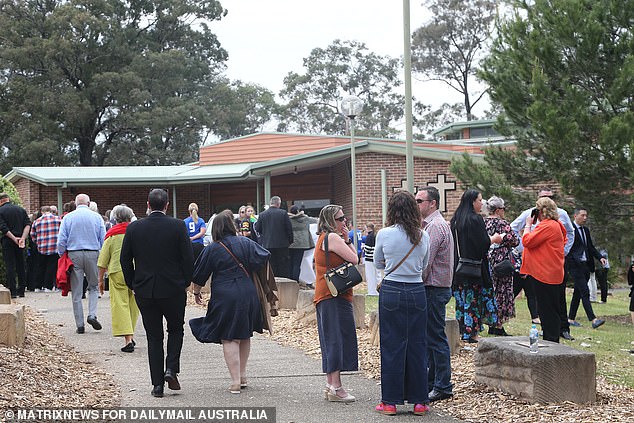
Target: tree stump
12,327
5,295
288,290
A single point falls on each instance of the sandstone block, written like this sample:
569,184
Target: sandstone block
555,374
5,295
452,330
358,308
12,327
306,313
287,290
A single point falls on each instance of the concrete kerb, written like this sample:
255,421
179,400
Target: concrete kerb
279,376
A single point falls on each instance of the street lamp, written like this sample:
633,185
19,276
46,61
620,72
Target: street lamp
351,107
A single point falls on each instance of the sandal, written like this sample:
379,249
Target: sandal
234,389
333,397
243,382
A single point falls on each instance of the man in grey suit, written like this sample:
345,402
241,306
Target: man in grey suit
158,264
276,234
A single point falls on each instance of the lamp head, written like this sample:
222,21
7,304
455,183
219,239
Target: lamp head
351,106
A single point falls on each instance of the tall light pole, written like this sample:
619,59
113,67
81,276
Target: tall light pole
407,67
351,107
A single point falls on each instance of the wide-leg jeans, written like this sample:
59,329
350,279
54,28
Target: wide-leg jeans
403,327
438,352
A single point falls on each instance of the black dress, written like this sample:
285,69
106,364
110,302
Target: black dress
234,310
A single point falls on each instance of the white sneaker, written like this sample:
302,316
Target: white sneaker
47,290
37,290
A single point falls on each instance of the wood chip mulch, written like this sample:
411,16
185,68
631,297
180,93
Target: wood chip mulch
48,373
472,402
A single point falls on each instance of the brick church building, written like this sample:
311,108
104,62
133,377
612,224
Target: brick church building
306,170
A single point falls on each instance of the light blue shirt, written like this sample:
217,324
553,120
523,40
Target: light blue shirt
82,229
519,224
392,244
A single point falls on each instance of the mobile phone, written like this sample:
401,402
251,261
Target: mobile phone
535,215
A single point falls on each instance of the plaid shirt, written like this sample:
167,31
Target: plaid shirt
44,233
439,272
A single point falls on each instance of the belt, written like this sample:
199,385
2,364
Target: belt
81,250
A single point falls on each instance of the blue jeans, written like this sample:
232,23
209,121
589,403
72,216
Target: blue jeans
403,317
438,353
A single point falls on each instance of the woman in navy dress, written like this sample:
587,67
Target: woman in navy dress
233,312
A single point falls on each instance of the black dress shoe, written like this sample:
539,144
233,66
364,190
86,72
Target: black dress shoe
566,335
471,341
92,321
157,391
434,395
80,330
128,348
172,380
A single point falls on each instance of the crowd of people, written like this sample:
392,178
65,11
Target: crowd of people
415,264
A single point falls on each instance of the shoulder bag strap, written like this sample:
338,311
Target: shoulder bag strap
236,259
402,260
326,250
457,242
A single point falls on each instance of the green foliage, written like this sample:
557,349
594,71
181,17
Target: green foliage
343,68
449,47
88,82
563,72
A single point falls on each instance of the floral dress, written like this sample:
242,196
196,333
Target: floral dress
502,285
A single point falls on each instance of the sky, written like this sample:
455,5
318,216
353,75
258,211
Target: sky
266,39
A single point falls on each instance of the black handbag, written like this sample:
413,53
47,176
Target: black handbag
504,268
341,278
467,268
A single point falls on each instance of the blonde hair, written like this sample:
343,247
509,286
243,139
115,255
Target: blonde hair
193,211
548,208
327,222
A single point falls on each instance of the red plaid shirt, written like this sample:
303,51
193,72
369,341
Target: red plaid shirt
44,233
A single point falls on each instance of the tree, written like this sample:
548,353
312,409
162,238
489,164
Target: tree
240,109
564,74
91,81
449,47
343,68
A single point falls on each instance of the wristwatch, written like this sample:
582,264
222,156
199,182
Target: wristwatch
348,241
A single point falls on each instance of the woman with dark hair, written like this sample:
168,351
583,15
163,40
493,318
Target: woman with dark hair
475,304
543,263
335,318
234,311
402,249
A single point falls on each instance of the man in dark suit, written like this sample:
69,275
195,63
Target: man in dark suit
15,226
276,234
157,263
579,264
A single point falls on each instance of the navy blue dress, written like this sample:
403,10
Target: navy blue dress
234,309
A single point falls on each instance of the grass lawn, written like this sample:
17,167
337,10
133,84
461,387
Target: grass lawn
611,343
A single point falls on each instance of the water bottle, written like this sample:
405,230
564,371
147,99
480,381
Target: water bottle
533,337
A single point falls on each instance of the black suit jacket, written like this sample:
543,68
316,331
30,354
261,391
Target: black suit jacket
275,228
156,257
578,247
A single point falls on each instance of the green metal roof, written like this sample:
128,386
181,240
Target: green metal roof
459,126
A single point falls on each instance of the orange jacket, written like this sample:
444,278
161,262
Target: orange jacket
543,256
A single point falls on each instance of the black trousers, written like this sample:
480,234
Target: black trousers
49,265
527,285
280,262
602,280
580,273
153,310
14,265
295,260
548,303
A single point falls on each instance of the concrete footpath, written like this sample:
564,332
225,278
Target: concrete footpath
278,376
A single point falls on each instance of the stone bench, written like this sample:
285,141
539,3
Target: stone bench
306,313
451,330
5,295
12,327
288,290
556,373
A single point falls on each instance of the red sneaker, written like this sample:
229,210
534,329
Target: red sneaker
420,409
387,409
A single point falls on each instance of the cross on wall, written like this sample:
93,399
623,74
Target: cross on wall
441,184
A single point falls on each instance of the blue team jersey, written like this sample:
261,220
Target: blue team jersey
194,228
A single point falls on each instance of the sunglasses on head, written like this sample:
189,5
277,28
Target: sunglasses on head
340,219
